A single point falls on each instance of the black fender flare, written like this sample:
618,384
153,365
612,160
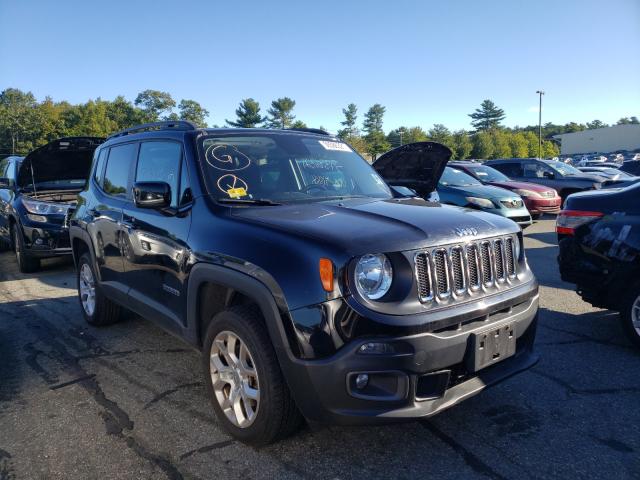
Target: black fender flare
246,285
76,232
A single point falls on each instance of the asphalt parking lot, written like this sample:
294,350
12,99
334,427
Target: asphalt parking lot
127,401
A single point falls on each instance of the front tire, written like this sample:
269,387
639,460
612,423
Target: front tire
630,314
97,309
244,381
26,264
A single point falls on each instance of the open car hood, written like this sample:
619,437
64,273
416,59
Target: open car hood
63,159
416,165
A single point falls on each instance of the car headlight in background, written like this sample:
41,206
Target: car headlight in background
527,193
45,208
480,202
373,276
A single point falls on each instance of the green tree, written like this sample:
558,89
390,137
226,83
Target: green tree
194,112
519,145
596,124
550,149
501,144
398,137
532,143
349,123
441,134
482,145
154,103
124,113
462,145
375,138
628,121
298,124
415,134
280,115
19,120
358,143
487,117
247,115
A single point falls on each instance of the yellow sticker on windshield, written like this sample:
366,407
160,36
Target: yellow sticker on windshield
237,192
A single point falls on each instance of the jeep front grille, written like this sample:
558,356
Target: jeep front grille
460,269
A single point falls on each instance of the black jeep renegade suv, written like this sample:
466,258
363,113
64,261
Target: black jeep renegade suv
309,287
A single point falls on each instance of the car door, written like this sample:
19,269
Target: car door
113,177
155,241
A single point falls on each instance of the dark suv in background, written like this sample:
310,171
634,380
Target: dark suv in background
308,287
563,178
35,195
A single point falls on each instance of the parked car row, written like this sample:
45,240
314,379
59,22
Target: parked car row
314,285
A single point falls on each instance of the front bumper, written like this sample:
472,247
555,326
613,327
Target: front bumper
519,215
425,374
45,240
543,205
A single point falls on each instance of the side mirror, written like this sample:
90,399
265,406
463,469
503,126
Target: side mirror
547,174
5,182
154,195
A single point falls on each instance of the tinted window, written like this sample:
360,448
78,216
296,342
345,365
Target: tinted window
185,187
536,170
99,173
3,167
509,169
160,162
119,163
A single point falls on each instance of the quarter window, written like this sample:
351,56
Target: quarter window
116,175
160,162
99,173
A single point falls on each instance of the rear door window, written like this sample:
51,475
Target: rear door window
512,169
99,172
116,175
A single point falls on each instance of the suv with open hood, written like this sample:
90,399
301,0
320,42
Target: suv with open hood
308,287
37,192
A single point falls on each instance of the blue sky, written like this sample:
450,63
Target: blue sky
427,62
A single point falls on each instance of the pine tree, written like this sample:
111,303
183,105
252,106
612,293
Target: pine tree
247,115
280,115
375,138
486,117
349,122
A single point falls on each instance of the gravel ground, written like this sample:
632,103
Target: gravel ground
128,401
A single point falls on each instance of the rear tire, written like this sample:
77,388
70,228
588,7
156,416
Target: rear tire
26,264
630,314
275,415
97,309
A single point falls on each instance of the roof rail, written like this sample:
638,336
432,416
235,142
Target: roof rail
319,131
168,125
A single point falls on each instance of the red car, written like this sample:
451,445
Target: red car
538,198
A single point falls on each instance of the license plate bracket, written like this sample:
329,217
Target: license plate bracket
490,346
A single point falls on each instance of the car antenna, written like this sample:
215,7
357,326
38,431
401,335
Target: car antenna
33,180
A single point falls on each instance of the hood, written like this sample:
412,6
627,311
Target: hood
360,226
511,185
416,165
63,159
482,191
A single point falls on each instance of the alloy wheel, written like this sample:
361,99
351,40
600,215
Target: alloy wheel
87,290
635,315
234,378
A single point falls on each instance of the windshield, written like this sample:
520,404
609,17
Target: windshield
563,168
286,167
488,174
453,177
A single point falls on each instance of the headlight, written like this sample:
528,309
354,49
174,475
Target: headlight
480,202
45,208
527,193
373,276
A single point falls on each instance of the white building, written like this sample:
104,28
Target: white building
605,140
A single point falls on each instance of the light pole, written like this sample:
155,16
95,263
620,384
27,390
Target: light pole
540,93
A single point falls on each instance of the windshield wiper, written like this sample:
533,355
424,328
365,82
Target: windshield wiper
247,201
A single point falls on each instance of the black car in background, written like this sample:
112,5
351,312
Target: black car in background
310,289
563,178
35,195
599,240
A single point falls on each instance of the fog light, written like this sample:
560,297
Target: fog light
362,380
38,241
37,218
